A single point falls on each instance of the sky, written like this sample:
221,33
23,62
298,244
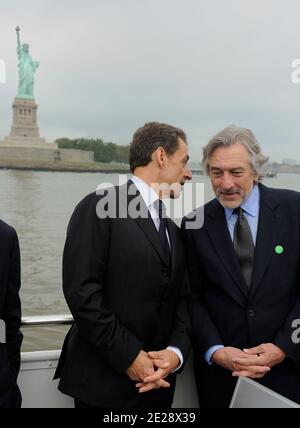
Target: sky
109,66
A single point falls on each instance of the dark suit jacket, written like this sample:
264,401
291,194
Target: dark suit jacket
10,313
122,297
225,312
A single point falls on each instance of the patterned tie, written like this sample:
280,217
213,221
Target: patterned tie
162,231
243,245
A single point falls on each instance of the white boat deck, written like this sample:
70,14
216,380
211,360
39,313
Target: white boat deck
39,390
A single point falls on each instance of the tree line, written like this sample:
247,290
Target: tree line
104,152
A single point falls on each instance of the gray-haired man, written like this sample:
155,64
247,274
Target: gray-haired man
245,273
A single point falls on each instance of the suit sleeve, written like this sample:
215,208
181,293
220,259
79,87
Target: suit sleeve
182,326
12,308
204,332
84,271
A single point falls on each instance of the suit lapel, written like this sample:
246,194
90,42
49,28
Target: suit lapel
172,236
144,221
221,240
148,227
268,228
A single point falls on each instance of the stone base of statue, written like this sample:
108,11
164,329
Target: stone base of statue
25,130
24,148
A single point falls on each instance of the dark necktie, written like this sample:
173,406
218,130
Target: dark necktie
243,245
162,231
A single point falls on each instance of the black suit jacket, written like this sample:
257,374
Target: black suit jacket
122,296
10,313
225,312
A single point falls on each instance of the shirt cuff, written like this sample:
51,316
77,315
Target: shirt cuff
179,355
208,354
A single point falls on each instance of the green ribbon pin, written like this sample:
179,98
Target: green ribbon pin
279,249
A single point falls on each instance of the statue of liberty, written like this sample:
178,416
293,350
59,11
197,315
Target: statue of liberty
27,69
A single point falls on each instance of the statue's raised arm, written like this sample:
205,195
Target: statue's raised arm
27,69
18,36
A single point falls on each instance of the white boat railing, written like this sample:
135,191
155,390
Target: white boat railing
39,390
40,321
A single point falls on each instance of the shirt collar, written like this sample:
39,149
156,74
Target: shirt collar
148,194
250,205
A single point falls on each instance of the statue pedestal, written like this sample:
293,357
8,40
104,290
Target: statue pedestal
24,130
25,149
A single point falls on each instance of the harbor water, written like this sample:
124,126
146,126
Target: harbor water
39,205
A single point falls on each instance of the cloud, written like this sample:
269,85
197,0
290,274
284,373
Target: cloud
109,66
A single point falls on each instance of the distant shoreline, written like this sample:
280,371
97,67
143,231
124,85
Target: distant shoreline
91,167
64,167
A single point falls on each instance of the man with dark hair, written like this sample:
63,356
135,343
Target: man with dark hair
125,282
245,275
149,138
10,315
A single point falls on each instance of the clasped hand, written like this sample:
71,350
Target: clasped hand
150,369
254,363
